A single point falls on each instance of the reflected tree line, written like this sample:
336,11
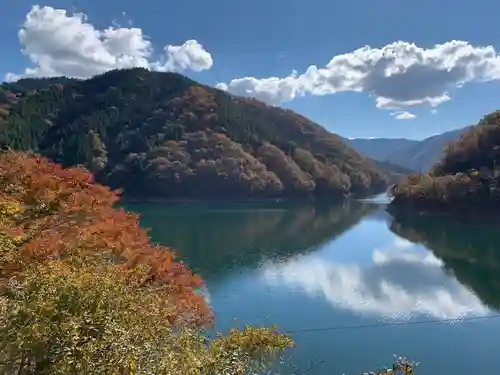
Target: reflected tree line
469,250
215,239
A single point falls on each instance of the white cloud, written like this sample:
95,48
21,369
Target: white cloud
397,75
272,90
221,86
401,243
59,43
400,283
190,55
403,115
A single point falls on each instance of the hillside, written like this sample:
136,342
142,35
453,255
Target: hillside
422,156
163,135
379,148
418,156
394,172
466,178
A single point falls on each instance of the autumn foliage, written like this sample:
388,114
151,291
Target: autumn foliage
467,177
82,289
162,135
63,211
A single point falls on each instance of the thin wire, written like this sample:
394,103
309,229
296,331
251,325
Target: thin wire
311,367
337,328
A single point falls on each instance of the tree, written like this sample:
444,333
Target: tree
465,179
82,290
102,121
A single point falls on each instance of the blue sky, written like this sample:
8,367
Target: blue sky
412,81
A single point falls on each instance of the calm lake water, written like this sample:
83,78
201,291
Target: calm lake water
307,267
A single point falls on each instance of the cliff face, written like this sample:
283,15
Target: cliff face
163,135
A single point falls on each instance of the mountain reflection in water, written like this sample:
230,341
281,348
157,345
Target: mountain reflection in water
470,251
307,266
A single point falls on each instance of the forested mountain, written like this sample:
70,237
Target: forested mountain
418,156
466,178
163,135
379,148
423,155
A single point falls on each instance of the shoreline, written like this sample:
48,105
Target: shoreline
461,213
234,201
130,199
127,200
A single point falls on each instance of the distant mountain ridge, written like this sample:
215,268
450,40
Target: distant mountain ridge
379,148
411,154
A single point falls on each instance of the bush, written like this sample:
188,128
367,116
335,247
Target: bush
82,290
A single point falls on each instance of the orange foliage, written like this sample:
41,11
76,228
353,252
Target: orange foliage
65,212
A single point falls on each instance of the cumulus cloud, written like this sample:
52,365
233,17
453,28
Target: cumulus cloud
59,43
189,56
403,115
272,90
398,75
400,283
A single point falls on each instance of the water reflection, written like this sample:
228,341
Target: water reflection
216,239
469,250
401,282
263,263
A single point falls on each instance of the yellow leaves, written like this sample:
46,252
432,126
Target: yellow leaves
82,291
10,208
244,349
132,367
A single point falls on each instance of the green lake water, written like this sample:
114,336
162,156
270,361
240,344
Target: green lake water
330,272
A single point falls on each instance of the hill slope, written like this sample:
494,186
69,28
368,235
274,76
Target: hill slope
466,178
163,135
423,155
418,156
379,148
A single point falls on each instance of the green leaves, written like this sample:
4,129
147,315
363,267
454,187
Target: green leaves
109,120
82,291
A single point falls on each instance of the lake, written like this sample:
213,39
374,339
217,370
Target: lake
338,275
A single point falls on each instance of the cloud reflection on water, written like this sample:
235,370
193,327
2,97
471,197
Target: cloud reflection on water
400,283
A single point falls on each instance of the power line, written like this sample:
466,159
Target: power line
394,324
